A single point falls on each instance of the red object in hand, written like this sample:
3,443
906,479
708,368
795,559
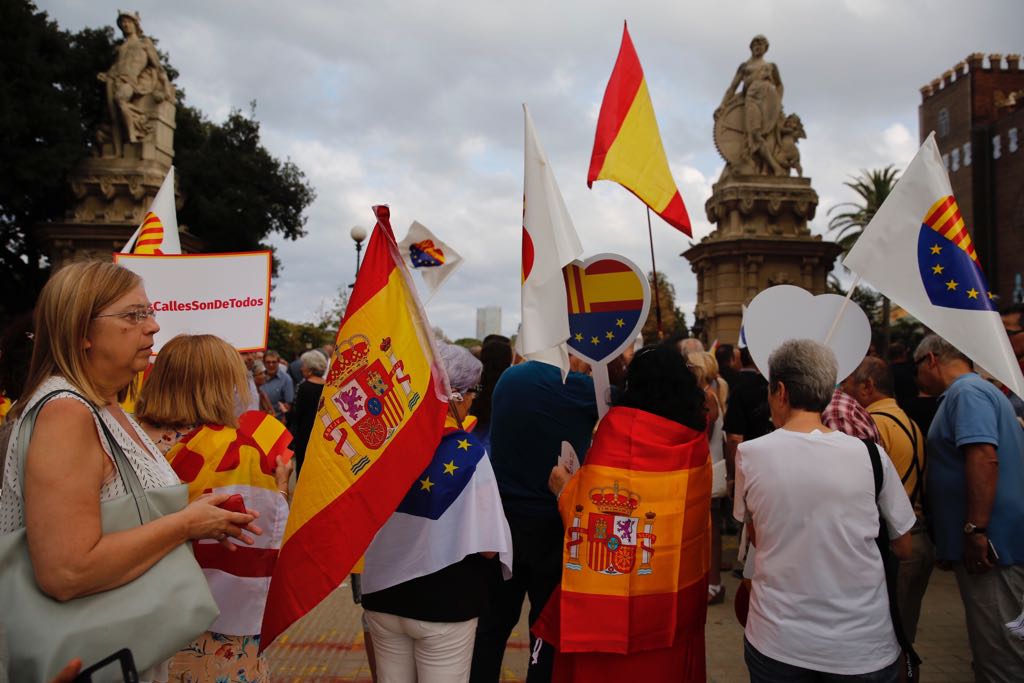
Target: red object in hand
234,503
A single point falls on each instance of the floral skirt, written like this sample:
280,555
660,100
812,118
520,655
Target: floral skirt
219,658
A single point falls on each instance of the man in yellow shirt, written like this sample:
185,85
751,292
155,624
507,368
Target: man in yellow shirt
871,384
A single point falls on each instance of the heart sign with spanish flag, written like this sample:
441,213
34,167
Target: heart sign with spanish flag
608,298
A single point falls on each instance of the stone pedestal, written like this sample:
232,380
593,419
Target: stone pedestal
761,240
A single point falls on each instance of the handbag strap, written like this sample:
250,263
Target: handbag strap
121,463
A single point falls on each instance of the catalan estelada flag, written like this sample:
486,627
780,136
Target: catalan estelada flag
380,418
627,145
637,553
605,300
238,461
918,252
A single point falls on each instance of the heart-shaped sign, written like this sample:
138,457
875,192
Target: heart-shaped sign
786,312
608,298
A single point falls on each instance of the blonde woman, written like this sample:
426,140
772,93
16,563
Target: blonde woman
94,332
187,406
705,368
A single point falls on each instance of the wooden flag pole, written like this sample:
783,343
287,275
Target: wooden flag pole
654,270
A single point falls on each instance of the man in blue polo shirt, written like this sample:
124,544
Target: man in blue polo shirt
975,481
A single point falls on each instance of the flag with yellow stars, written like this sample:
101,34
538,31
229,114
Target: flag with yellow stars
452,510
917,250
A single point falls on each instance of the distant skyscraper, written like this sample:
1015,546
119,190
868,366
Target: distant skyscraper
488,321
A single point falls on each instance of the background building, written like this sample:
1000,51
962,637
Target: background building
488,321
977,113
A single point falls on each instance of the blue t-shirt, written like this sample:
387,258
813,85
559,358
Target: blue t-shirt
972,411
532,412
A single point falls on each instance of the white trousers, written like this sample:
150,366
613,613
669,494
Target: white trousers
413,651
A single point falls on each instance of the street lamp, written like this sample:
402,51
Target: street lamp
358,234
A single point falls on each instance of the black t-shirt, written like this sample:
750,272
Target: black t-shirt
747,412
302,416
904,376
456,593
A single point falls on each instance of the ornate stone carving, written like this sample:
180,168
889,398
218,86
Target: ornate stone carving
751,131
136,86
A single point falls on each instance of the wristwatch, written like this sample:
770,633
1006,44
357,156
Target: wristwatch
970,528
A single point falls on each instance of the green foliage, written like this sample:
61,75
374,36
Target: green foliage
869,300
293,339
468,342
872,187
673,320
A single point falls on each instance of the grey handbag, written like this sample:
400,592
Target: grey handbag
154,616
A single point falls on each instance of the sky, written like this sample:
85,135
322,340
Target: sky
418,105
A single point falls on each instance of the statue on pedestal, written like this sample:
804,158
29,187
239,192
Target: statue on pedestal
136,83
751,132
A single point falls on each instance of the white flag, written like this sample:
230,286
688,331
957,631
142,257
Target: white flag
427,255
549,244
158,233
917,251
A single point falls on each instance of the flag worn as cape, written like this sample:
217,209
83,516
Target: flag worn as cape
378,423
918,252
158,233
452,510
627,145
637,542
428,255
549,244
238,461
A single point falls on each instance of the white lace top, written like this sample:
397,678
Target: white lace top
151,467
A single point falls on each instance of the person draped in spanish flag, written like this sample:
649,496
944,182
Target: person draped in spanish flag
633,597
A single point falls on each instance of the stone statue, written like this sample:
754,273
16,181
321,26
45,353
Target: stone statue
751,132
136,84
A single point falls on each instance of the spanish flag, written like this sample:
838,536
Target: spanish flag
379,421
627,145
636,555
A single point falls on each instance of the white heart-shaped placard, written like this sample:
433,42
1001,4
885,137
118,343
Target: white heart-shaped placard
785,312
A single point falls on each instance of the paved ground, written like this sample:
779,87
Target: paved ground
327,645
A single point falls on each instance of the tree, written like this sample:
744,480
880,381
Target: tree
293,339
673,320
873,187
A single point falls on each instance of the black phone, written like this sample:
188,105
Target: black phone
103,669
993,556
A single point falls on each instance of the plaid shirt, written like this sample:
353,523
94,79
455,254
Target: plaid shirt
847,416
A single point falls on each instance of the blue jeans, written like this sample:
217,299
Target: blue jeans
764,669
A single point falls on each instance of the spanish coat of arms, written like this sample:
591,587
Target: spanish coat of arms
614,535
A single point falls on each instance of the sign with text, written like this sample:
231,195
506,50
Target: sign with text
223,294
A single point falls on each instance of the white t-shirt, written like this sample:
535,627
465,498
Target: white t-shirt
819,598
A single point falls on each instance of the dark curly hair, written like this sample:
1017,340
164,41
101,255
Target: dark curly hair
659,382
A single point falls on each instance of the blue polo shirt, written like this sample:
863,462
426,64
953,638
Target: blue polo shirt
972,411
532,412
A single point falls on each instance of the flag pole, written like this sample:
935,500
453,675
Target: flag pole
842,309
654,270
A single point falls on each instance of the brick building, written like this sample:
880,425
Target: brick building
977,113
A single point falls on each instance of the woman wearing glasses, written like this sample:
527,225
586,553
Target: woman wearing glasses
94,333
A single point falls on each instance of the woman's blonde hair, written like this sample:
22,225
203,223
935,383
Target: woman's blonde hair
196,379
705,367
74,295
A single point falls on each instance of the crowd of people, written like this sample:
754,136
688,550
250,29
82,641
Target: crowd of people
849,492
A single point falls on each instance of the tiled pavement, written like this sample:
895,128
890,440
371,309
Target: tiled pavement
327,645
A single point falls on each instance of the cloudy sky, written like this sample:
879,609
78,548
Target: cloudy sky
418,105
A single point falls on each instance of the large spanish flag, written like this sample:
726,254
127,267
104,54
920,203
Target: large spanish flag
637,553
627,145
379,421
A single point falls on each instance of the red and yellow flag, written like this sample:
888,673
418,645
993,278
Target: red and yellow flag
379,421
637,543
627,145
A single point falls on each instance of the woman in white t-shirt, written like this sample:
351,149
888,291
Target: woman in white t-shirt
819,605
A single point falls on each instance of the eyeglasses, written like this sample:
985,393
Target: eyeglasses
134,316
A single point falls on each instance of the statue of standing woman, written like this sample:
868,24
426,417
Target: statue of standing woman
749,124
135,84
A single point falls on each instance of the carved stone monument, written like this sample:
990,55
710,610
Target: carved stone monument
132,152
760,209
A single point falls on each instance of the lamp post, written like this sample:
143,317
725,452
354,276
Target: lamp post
358,234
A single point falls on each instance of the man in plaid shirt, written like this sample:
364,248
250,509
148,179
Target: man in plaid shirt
849,417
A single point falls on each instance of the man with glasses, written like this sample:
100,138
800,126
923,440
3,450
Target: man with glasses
975,483
279,387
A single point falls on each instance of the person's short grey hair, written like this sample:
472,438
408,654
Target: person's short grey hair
463,368
258,367
808,369
941,349
314,361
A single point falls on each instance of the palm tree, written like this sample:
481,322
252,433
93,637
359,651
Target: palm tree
873,187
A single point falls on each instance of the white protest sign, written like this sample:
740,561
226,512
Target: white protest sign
223,294
568,459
